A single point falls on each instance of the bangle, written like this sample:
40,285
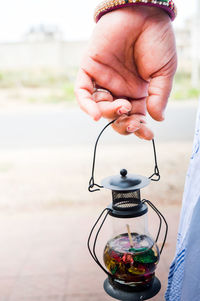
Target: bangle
109,5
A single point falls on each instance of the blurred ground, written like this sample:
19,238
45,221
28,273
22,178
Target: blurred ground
44,255
46,178
46,211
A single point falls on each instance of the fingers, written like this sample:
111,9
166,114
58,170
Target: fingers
114,109
83,91
112,75
102,104
136,124
139,106
144,133
119,106
159,91
102,95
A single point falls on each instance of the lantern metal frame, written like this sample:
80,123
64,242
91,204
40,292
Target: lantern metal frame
113,288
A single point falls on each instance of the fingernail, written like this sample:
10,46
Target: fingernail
132,128
122,110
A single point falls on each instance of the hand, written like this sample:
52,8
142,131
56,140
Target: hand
132,54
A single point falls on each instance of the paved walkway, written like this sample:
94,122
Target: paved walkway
46,178
43,255
46,214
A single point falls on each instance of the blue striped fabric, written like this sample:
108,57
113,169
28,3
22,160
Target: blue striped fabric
183,279
175,278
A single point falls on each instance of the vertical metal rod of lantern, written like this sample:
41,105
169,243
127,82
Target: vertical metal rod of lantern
160,215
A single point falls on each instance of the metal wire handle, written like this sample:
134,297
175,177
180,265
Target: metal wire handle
161,217
154,177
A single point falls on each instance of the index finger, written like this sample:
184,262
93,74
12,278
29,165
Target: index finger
83,91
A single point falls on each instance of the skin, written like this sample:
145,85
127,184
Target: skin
132,54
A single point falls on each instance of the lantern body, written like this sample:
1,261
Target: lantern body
138,225
131,260
130,255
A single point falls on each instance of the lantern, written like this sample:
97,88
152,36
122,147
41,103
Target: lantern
131,254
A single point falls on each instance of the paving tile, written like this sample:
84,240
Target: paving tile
47,263
6,287
46,298
88,297
39,286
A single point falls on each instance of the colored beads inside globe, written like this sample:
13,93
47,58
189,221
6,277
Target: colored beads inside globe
134,264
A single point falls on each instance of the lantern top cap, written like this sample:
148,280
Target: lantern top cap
123,172
125,182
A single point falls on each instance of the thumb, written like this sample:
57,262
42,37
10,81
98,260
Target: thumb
159,91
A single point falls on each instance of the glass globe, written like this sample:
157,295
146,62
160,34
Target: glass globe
131,256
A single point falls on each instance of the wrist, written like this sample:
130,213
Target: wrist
107,6
134,18
142,12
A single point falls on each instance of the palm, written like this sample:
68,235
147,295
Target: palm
110,58
134,57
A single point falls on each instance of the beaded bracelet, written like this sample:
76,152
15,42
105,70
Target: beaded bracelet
109,5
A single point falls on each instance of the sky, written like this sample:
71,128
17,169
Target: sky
73,17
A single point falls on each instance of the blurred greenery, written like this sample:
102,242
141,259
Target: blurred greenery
44,86
183,89
39,86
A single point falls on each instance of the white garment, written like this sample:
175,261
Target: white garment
184,274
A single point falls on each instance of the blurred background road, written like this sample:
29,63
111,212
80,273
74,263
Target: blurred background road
64,126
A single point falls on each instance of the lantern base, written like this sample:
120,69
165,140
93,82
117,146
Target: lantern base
126,293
